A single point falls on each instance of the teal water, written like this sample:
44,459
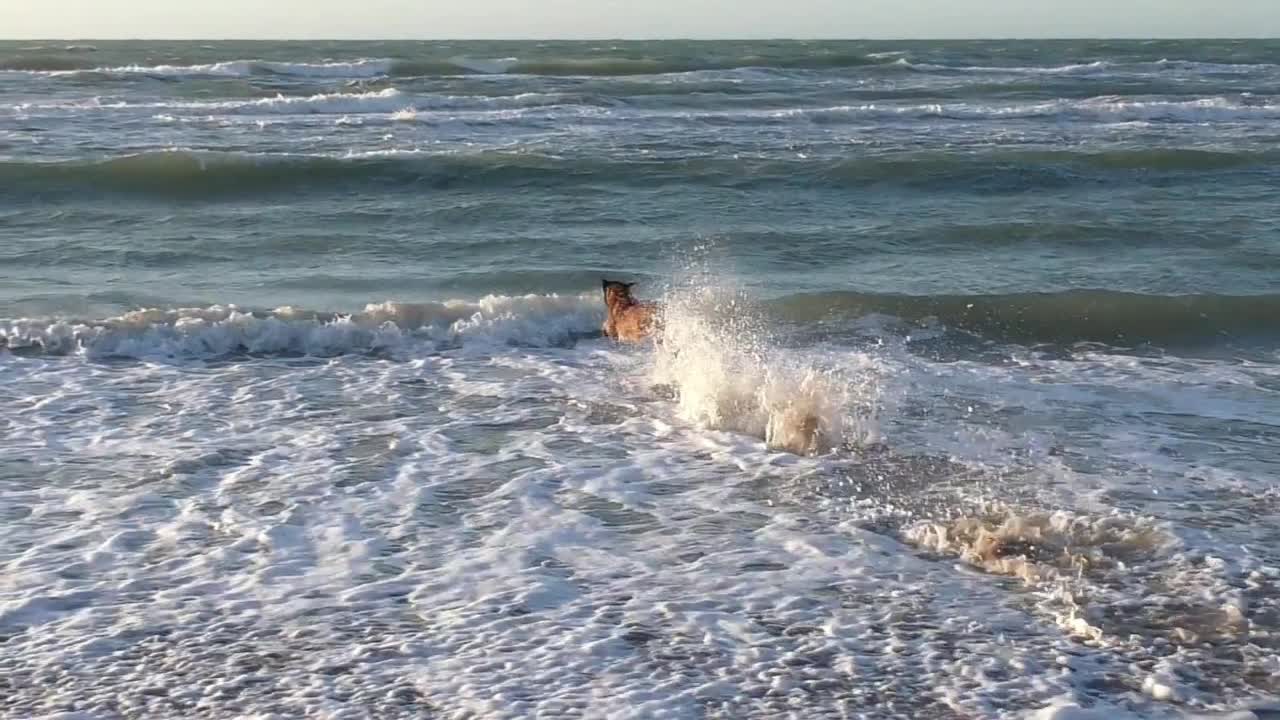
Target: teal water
332,174
307,412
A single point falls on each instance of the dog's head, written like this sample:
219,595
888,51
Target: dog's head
616,292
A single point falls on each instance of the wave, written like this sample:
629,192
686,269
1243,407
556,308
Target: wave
1104,109
1096,67
1070,69
662,66
183,173
1214,68
385,328
704,335
461,65
354,69
1110,109
195,174
386,101
1074,316
67,62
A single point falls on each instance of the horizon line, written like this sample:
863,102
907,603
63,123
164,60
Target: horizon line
602,38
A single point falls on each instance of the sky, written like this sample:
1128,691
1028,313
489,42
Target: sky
636,18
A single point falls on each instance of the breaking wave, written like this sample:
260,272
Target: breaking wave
387,328
387,101
230,68
1100,109
725,334
1097,67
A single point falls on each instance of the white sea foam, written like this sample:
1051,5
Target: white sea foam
1109,109
1194,66
243,68
341,103
1069,709
1097,67
356,69
888,54
527,530
507,536
380,101
1070,69
395,103
222,330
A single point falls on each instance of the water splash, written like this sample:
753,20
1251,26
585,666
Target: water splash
730,371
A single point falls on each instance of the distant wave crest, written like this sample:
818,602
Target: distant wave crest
1103,316
603,66
76,66
198,174
230,68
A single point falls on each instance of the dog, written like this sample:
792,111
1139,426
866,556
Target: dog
627,319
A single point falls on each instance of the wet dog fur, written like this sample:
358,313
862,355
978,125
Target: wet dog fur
626,318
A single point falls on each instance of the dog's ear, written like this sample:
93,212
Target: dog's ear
629,285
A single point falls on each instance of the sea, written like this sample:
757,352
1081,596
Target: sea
964,400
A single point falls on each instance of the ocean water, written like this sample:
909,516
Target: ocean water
306,411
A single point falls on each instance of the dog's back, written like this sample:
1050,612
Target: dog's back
626,318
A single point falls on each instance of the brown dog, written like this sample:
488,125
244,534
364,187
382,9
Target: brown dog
626,318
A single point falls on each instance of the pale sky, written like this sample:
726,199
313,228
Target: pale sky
636,18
